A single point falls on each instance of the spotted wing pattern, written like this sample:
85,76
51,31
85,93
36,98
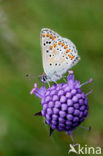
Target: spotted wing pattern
58,54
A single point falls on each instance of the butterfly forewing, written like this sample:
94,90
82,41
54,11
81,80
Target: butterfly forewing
58,54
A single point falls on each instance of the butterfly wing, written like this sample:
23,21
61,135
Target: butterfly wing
58,54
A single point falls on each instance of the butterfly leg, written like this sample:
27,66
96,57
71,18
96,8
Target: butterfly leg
64,79
55,82
48,84
58,76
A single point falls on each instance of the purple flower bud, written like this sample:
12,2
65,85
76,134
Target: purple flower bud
68,95
57,104
70,110
76,106
53,126
62,99
49,111
74,99
48,117
86,101
62,114
73,92
67,89
45,106
75,119
61,92
51,104
85,113
69,102
69,123
55,110
61,120
82,108
53,122
53,92
54,117
55,98
48,121
47,93
43,112
47,99
64,107
76,112
81,102
69,117
81,115
61,125
78,96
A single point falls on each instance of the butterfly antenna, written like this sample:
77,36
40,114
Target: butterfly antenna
31,76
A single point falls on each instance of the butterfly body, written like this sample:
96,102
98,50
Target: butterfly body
58,54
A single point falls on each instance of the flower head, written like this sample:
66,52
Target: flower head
64,105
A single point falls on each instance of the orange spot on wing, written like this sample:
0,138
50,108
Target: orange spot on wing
51,47
47,35
54,38
71,57
67,51
59,43
55,44
43,35
65,47
51,36
62,44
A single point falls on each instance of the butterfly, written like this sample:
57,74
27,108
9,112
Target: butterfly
58,55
